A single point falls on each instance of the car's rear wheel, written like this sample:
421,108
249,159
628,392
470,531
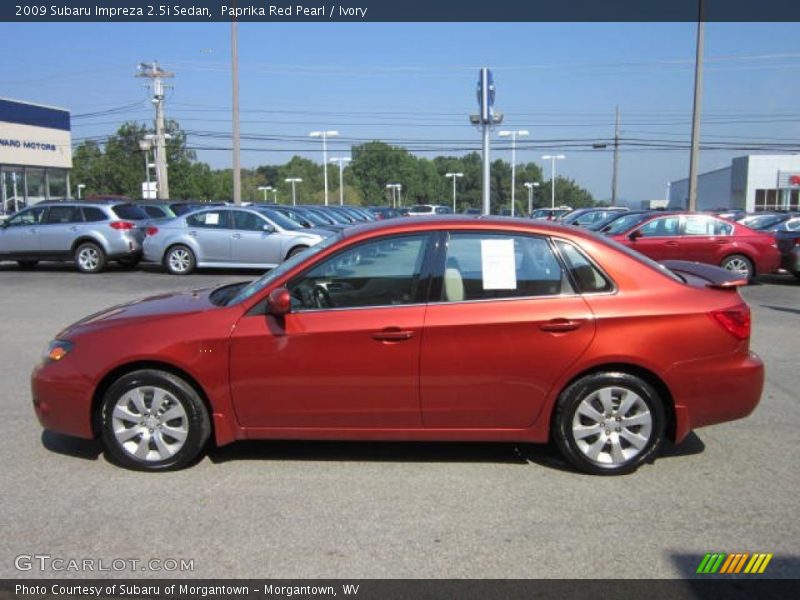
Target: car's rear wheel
296,250
609,423
739,264
90,258
27,264
180,260
154,421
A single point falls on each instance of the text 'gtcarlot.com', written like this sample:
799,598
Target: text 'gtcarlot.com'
46,562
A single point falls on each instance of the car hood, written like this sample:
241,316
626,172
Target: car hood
153,307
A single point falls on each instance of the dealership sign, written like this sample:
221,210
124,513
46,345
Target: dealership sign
788,179
34,136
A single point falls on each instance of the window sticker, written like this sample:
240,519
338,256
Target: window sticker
212,218
498,265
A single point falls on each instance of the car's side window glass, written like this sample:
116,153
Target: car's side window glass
154,211
585,274
213,219
665,226
59,215
705,225
93,215
482,266
32,216
383,272
248,221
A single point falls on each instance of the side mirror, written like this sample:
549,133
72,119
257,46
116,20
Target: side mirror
634,235
269,228
279,302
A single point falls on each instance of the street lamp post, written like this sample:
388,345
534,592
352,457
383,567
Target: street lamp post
80,187
513,135
531,185
553,158
341,162
265,189
294,181
396,200
324,135
454,177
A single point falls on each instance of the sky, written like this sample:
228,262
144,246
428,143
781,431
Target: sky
413,84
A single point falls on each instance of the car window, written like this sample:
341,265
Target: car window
705,225
383,272
154,211
587,276
280,220
481,266
64,214
32,216
421,208
248,221
664,226
792,225
130,212
212,219
93,215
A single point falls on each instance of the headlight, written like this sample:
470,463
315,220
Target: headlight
56,350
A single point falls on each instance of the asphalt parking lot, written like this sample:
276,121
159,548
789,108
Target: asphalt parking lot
370,510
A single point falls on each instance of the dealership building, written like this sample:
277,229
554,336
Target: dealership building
35,154
754,183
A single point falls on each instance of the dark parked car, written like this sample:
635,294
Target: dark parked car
472,329
584,217
789,245
383,212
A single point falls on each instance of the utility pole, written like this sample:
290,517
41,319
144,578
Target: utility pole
698,99
237,149
157,75
616,161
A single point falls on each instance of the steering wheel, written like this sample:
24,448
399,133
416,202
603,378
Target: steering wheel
321,297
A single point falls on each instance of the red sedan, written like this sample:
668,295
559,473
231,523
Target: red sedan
432,329
701,238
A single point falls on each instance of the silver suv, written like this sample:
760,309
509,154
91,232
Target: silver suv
89,233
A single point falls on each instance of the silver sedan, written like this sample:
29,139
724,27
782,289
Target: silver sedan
225,237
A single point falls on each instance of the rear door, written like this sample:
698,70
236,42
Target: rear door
61,227
212,231
501,330
705,239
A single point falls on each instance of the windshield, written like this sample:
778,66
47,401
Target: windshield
280,220
421,208
762,221
315,219
259,284
622,224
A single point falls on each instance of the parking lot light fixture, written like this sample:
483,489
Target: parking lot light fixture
324,135
341,161
454,177
553,158
80,188
513,135
531,185
294,181
265,189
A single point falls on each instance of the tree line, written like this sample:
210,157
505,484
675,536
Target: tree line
118,167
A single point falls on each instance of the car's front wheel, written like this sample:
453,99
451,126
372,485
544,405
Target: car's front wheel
609,423
90,258
739,264
154,421
180,260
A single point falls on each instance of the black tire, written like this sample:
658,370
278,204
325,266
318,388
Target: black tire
27,264
90,258
739,263
296,250
195,421
130,262
180,260
616,388
796,274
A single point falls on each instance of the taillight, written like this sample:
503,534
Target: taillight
151,230
797,241
123,225
735,321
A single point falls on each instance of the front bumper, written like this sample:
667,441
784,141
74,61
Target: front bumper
62,399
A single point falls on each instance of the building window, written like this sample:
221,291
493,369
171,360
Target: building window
767,200
57,184
35,185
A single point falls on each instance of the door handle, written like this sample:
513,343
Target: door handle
193,233
32,231
237,236
560,325
673,244
74,228
392,334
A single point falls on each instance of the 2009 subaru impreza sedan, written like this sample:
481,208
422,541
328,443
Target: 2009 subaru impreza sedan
437,329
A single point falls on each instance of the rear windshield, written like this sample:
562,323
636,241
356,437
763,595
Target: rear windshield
421,208
129,212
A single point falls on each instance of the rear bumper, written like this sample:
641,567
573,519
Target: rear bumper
791,260
715,390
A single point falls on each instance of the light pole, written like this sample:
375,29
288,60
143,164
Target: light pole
454,177
275,194
531,185
294,181
144,146
80,187
396,200
553,158
324,135
341,162
513,135
265,189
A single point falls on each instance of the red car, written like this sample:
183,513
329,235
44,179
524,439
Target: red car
701,238
448,328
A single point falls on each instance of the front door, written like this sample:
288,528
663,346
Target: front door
659,238
506,326
347,355
20,234
254,240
